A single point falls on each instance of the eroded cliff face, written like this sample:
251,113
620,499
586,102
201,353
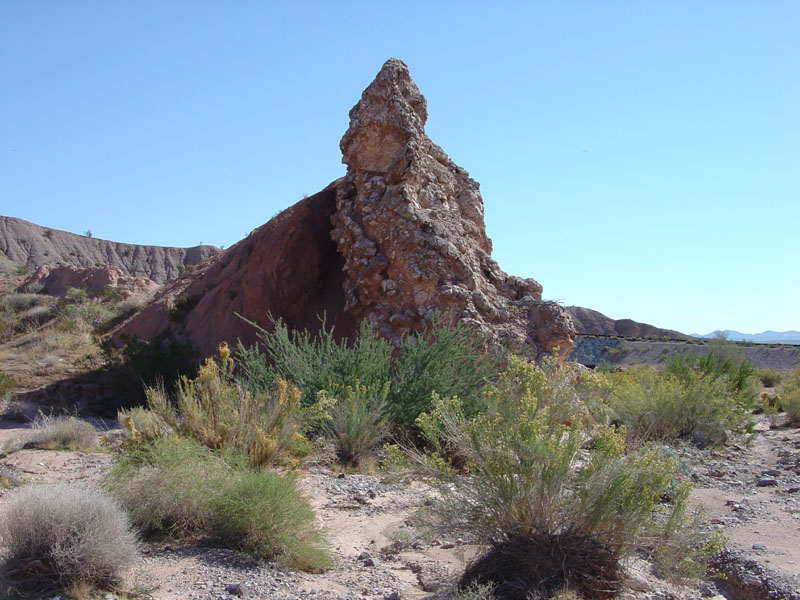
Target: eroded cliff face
25,243
398,239
410,226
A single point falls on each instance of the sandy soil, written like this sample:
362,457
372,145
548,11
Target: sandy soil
378,555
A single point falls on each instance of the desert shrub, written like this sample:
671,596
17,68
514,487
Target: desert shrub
128,306
318,362
769,377
112,294
725,361
358,421
216,410
6,386
59,535
89,316
552,512
10,477
22,302
75,295
18,312
179,487
22,270
142,425
790,396
449,359
61,432
662,405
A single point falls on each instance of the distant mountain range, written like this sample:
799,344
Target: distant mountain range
765,337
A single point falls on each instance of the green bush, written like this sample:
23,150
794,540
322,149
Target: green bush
358,421
219,412
76,295
725,362
59,535
179,487
315,363
661,405
447,359
6,386
769,377
790,396
552,512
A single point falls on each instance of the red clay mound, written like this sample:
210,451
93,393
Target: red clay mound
288,268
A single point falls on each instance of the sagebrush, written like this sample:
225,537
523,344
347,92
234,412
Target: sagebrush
60,535
217,410
560,501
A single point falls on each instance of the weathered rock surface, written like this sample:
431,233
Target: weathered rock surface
25,243
398,239
592,322
55,281
288,268
409,224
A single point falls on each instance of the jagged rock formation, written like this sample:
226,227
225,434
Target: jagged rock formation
410,226
398,239
56,281
25,243
591,322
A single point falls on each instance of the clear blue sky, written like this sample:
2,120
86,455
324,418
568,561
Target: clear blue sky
640,158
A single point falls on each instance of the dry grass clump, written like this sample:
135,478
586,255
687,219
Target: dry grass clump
179,487
19,312
60,536
9,476
49,432
358,421
61,433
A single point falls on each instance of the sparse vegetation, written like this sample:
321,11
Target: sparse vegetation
660,406
180,487
214,409
62,433
6,386
10,477
22,270
60,536
553,512
769,377
449,360
49,432
358,421
790,396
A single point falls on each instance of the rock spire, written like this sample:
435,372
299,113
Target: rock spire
409,224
